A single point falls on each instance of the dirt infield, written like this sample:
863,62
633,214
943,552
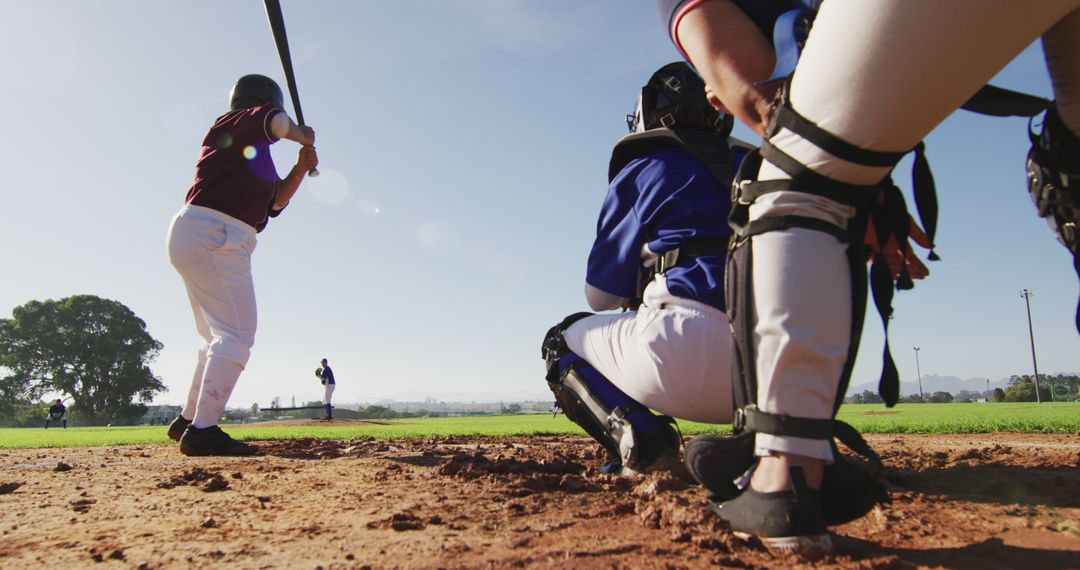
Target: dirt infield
960,501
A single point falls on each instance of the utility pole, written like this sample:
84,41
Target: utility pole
919,370
1026,294
987,390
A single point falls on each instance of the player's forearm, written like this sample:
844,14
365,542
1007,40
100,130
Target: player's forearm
731,54
288,187
283,127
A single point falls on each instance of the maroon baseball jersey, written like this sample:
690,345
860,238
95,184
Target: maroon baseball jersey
235,173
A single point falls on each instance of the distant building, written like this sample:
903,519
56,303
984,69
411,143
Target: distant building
160,415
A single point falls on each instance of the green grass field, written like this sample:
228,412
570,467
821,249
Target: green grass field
868,418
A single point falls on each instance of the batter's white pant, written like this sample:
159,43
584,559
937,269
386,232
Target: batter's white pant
212,252
328,393
880,74
672,355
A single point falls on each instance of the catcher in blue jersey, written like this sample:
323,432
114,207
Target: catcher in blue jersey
659,256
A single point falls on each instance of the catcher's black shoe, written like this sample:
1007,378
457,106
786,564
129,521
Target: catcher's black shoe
177,427
658,451
785,521
212,441
718,461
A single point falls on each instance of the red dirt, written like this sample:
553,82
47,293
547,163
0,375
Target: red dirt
959,501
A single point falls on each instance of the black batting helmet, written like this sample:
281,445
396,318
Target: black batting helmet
674,98
255,90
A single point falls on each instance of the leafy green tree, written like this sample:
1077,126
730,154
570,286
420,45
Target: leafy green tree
1024,391
941,397
969,395
998,395
31,416
95,350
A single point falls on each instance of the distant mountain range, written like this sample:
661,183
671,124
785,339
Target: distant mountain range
933,383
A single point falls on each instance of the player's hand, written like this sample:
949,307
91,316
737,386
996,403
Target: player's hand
895,257
307,158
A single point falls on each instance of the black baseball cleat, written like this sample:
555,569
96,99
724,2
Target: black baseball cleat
212,441
177,427
787,522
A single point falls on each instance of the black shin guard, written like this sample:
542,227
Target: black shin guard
611,420
1053,167
851,486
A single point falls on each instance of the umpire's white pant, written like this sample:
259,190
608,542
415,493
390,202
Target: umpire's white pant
672,355
212,252
880,75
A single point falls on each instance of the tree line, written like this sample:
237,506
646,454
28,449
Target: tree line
94,352
1021,388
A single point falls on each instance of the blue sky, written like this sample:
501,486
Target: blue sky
464,149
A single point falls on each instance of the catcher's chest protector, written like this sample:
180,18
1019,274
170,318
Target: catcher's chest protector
713,150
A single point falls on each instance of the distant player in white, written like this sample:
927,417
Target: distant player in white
326,376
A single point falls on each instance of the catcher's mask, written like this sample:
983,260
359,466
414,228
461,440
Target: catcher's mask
674,98
255,90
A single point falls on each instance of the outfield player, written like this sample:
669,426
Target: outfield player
659,255
210,242
57,411
326,376
873,79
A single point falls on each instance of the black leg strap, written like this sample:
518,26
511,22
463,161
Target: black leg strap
753,419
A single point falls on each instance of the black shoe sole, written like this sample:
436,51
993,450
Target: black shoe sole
235,451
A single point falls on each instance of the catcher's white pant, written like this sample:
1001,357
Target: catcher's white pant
212,252
328,392
880,75
672,355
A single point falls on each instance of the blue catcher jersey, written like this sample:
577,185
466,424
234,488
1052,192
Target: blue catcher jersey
663,198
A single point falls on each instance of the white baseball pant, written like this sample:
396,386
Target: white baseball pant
672,355
212,252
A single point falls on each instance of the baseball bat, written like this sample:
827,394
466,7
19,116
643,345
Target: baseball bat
277,27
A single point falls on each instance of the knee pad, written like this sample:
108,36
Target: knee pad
1053,167
554,346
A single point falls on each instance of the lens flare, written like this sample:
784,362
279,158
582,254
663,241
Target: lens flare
250,152
368,207
329,188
